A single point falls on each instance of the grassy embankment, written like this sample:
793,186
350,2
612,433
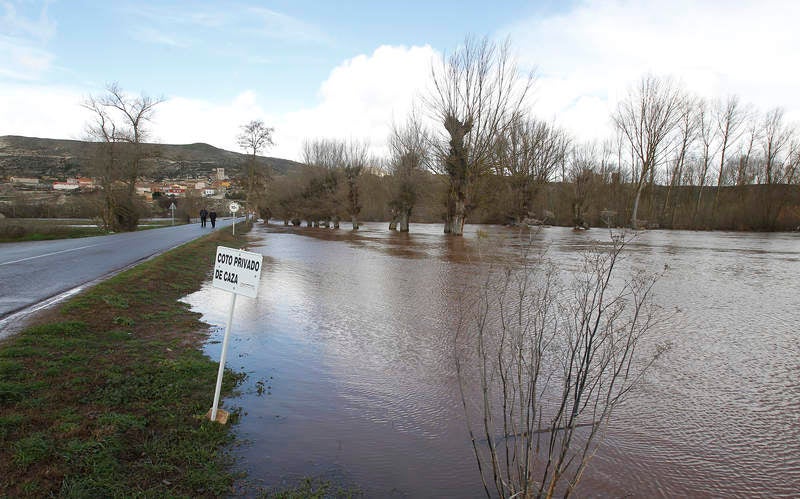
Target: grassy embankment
31,229
104,396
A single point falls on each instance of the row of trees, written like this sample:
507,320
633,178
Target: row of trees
675,139
676,160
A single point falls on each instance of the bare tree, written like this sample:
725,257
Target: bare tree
687,133
791,174
529,154
345,158
552,357
776,136
730,120
647,119
777,167
708,139
356,162
583,177
409,147
120,125
255,137
477,94
745,173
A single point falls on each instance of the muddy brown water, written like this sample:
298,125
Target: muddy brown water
351,377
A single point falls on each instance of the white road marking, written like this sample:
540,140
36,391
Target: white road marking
48,254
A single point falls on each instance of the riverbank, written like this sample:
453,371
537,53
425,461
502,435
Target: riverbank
104,395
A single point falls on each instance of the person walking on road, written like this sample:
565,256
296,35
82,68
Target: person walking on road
213,217
203,215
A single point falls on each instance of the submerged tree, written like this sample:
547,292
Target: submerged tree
582,175
340,158
120,126
529,155
552,358
647,119
477,95
409,149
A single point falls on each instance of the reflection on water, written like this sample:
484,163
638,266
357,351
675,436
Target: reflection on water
349,339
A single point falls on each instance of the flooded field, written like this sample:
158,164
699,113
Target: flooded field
351,374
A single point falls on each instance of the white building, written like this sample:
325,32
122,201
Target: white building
24,180
70,185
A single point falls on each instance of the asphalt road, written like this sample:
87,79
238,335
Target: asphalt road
40,272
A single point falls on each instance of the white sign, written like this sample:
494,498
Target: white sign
234,207
237,271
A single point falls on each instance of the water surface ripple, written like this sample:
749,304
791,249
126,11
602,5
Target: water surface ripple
349,339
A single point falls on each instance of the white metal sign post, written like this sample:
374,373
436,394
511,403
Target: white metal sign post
172,209
234,207
239,272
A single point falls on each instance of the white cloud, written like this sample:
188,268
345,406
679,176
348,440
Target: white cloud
284,27
586,58
22,42
12,23
589,56
184,121
360,99
22,61
148,34
42,111
213,24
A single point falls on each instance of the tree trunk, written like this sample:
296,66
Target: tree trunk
459,215
456,214
634,215
403,220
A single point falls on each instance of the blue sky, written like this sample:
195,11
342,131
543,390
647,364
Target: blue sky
347,69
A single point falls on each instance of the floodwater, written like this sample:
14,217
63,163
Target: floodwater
351,375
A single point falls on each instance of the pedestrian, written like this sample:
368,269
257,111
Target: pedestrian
203,215
213,217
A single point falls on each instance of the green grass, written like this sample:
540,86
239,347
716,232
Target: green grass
312,488
31,229
99,401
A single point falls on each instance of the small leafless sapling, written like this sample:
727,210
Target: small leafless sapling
543,357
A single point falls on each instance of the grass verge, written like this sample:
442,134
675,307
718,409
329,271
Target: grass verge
103,396
28,229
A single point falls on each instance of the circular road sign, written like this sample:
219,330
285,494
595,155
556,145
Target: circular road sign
234,207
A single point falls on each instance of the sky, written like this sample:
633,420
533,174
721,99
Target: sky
349,69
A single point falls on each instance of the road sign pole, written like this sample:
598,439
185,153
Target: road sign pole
234,207
222,359
237,272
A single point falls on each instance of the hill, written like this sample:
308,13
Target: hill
58,158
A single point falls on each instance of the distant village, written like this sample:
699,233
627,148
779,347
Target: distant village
215,186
